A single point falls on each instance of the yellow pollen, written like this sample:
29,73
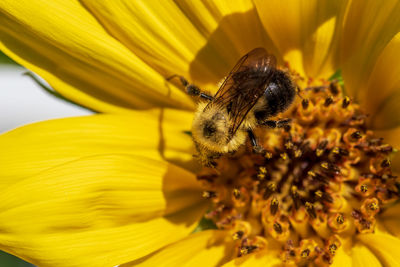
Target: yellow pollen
319,152
318,193
364,188
332,249
373,206
305,253
263,170
324,165
289,145
268,155
311,173
335,150
297,153
284,156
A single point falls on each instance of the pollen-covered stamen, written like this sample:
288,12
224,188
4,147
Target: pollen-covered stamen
356,135
247,249
385,163
345,102
274,206
328,101
238,235
305,103
324,175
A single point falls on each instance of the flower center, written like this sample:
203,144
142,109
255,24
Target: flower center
322,178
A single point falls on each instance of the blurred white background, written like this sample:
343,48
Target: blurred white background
22,101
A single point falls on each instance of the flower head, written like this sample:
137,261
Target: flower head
122,188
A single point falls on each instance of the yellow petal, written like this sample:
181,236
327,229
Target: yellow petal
99,211
390,219
260,259
363,257
62,42
341,258
368,28
305,32
231,29
385,247
382,93
201,40
206,248
160,34
157,134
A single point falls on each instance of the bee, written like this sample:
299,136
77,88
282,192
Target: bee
253,92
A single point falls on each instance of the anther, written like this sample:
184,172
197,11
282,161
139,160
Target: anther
325,165
305,253
333,88
238,235
261,176
373,206
262,170
284,156
209,194
311,174
328,101
268,155
247,249
356,135
340,219
289,145
295,197
274,206
305,103
278,228
321,148
318,194
311,210
271,188
330,167
236,193
385,163
332,249
346,102
364,188
298,153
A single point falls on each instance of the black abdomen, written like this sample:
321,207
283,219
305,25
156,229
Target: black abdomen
278,96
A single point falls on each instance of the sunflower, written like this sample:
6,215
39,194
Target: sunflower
122,188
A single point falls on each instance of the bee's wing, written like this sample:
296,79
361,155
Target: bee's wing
243,87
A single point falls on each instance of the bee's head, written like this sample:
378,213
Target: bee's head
210,127
214,128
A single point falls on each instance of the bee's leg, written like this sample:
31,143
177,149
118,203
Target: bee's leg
276,124
256,147
191,89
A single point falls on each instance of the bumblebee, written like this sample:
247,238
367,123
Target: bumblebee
253,92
